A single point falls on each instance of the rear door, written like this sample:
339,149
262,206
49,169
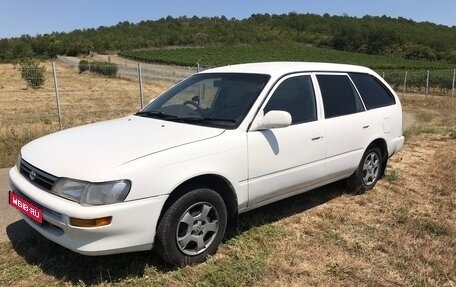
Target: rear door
347,125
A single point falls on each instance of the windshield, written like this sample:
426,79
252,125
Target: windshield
211,99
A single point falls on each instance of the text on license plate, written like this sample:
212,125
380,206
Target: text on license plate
25,207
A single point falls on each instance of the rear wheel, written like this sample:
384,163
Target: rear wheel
368,172
192,227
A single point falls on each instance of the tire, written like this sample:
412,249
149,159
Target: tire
368,172
192,227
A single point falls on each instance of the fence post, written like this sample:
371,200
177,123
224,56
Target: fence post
383,75
454,78
57,97
198,67
141,97
427,82
405,84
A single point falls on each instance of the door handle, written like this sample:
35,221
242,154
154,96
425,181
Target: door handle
366,126
317,138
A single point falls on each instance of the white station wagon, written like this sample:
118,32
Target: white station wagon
219,143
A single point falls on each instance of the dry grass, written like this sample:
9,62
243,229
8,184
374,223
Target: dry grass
402,233
27,114
433,114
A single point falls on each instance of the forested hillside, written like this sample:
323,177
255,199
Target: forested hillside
370,35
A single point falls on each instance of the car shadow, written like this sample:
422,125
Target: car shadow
71,267
287,207
20,230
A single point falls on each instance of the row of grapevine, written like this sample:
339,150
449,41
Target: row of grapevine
442,79
392,69
226,55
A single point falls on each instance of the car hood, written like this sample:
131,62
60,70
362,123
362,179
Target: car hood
86,151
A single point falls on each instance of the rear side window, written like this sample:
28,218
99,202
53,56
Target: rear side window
374,94
296,96
339,96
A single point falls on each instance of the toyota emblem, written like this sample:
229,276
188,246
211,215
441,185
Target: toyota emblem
32,175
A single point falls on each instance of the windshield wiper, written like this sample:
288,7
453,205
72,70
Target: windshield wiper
203,119
158,114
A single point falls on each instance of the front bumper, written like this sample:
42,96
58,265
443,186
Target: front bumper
132,228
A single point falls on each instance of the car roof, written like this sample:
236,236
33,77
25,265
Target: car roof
282,68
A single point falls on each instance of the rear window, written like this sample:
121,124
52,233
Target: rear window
339,96
374,94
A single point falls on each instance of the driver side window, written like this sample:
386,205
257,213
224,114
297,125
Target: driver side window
201,93
296,96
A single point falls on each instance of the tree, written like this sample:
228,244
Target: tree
370,34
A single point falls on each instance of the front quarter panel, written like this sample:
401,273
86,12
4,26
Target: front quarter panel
161,173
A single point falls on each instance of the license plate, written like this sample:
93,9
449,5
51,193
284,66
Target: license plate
25,207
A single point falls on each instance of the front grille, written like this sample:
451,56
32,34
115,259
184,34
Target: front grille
37,177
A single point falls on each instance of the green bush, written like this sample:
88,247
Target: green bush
103,68
83,66
32,72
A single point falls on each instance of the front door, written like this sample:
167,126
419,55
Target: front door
288,159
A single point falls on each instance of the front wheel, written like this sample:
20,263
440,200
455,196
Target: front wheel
192,227
368,172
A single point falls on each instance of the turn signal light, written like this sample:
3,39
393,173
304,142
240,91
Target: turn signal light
97,222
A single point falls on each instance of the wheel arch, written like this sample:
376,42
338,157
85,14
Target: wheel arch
213,181
381,144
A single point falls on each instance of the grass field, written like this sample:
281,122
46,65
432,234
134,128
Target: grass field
402,233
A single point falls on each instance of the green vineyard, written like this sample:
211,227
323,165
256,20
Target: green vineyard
393,69
219,56
440,78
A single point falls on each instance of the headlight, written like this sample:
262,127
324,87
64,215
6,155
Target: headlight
70,189
88,193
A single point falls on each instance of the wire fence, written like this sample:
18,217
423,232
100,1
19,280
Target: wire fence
59,95
130,69
56,95
40,98
436,82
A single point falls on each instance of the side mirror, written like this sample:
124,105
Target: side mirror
275,120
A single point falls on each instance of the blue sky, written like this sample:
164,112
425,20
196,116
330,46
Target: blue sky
33,17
